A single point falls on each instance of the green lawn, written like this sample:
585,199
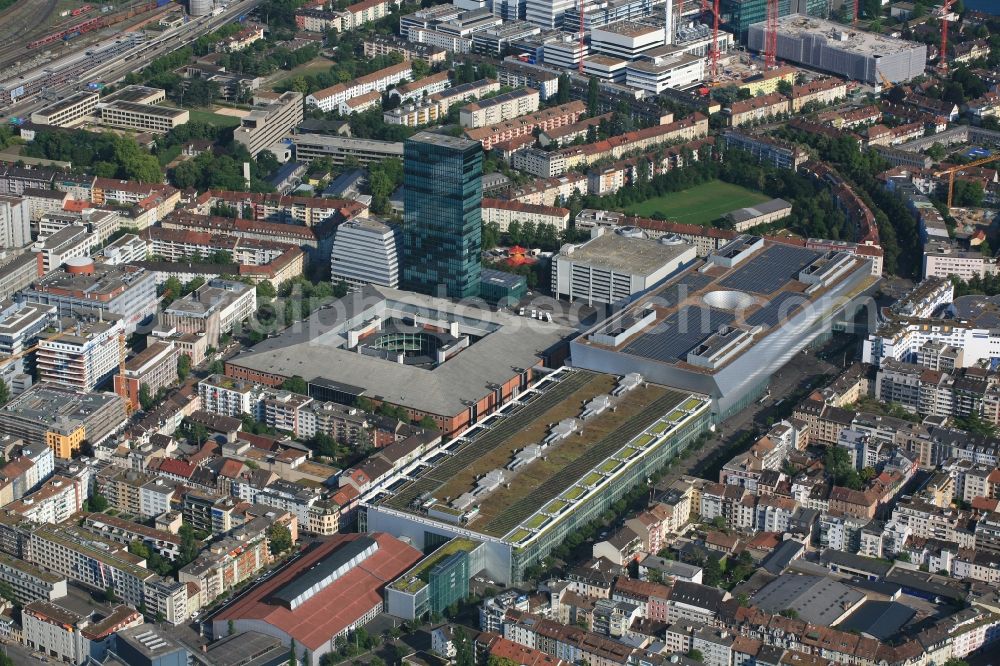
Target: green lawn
214,118
699,205
317,66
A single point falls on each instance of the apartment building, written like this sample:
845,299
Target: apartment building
926,521
271,119
943,259
236,558
68,111
85,558
241,40
756,109
491,135
229,397
415,91
213,309
82,353
498,109
155,367
336,96
342,423
465,92
124,532
70,636
61,418
15,180
931,392
819,91
503,213
880,135
366,11
318,20
122,488
548,191
766,83
781,155
361,103
30,583
690,128
613,177
126,192
423,112
56,501
380,45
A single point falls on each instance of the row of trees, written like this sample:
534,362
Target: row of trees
897,227
383,179
103,154
295,301
525,234
224,170
349,66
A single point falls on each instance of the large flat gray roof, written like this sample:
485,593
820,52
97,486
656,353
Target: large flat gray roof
317,349
853,39
623,254
815,599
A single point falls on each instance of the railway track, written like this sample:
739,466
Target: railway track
22,21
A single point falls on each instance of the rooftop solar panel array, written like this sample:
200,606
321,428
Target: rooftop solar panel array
676,335
687,285
781,307
769,270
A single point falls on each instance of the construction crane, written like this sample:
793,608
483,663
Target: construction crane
886,83
961,167
771,35
33,348
122,348
715,41
579,67
943,56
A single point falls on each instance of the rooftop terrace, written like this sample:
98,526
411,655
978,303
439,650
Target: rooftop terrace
417,578
592,451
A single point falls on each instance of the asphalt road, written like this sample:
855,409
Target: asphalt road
22,655
803,372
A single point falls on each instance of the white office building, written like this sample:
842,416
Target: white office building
613,266
547,13
365,252
15,222
664,67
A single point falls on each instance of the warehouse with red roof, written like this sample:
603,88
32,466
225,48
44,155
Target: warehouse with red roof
332,589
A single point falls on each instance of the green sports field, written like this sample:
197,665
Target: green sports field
214,118
700,204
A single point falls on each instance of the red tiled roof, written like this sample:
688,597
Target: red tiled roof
176,467
522,655
231,468
391,70
335,607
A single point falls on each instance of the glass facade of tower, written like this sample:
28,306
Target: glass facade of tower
442,218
